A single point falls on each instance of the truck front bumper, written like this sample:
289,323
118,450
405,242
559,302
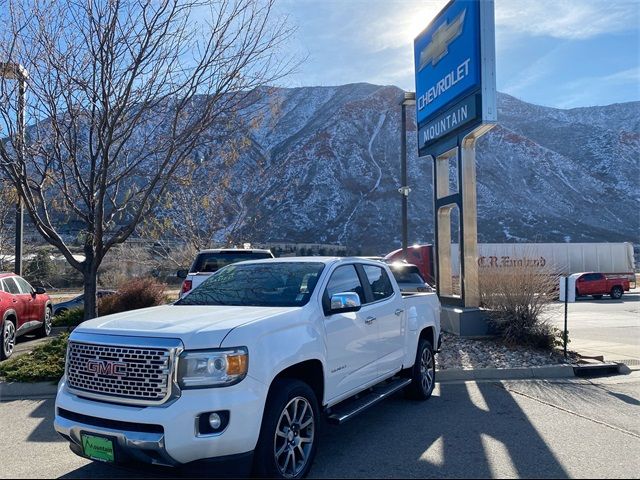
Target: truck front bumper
166,435
130,445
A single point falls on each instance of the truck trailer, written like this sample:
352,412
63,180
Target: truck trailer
563,258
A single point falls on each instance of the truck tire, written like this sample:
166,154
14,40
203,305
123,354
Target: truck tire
616,293
423,372
289,433
597,297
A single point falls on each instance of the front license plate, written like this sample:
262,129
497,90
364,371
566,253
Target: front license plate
98,448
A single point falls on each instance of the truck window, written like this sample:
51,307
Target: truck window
592,277
214,261
407,274
345,279
379,282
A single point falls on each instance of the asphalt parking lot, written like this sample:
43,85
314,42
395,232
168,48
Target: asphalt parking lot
561,429
603,327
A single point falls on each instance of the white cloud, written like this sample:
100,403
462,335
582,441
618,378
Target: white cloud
567,19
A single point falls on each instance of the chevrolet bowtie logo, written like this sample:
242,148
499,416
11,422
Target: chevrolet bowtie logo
442,37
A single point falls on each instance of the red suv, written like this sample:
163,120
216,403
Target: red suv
23,309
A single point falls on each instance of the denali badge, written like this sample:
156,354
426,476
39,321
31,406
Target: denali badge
105,367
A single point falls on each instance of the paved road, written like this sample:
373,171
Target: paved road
569,428
603,327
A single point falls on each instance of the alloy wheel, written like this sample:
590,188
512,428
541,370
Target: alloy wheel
8,338
294,437
47,321
426,369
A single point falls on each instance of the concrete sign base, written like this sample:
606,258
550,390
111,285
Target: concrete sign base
465,322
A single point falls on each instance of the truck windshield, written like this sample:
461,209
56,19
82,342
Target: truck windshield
282,284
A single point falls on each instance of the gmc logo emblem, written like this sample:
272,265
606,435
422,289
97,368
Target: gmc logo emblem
105,367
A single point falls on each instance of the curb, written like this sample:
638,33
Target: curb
520,373
20,391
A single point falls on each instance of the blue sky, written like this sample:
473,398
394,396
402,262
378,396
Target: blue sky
559,53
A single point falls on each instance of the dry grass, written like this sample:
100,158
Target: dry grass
518,298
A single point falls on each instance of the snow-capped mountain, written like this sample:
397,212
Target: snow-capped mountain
330,170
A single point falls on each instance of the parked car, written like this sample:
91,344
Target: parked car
247,366
207,262
408,277
599,284
77,302
23,309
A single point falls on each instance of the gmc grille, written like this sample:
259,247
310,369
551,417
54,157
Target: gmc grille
134,374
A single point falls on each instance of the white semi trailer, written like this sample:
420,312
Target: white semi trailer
564,258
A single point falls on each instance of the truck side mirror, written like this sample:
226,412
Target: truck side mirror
182,273
345,302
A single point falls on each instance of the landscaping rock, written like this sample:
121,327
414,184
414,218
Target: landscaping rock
474,353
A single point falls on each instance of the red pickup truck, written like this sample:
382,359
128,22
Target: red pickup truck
599,284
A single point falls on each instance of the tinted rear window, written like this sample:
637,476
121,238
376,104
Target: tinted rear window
212,262
407,275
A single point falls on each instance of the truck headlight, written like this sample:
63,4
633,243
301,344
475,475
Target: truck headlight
212,368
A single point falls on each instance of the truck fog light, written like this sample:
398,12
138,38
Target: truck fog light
215,421
210,423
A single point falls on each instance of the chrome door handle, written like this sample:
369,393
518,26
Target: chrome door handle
369,320
399,311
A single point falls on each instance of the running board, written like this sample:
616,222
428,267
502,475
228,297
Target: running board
350,408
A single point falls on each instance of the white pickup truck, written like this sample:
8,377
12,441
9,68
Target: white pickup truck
247,366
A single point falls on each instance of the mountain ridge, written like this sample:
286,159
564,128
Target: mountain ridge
544,174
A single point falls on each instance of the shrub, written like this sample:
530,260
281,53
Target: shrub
517,299
134,294
70,318
45,362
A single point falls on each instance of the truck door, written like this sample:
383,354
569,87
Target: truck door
588,284
352,339
386,306
599,284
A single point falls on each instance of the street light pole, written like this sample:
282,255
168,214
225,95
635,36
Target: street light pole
15,71
409,98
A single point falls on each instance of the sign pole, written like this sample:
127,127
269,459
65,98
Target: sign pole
566,306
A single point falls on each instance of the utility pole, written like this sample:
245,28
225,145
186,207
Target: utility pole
409,98
15,71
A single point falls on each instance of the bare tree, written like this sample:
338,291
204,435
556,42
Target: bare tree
120,95
211,203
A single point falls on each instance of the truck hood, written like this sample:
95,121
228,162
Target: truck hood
197,326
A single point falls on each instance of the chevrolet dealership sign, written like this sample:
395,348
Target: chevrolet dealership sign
455,72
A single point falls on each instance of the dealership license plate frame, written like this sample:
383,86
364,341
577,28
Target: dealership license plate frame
108,457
